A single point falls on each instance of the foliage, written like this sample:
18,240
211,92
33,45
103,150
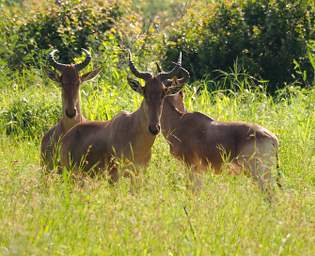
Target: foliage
158,214
27,117
159,13
69,27
49,214
264,36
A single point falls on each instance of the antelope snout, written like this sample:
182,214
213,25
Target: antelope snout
154,129
71,112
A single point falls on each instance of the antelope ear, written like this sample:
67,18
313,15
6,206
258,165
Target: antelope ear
90,75
135,85
168,82
53,76
171,90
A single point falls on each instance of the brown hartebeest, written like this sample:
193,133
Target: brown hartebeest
203,142
93,145
69,81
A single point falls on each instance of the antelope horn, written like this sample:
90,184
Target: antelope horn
137,73
167,75
158,67
86,61
185,77
179,81
57,65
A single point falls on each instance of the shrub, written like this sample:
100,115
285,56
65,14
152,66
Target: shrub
264,36
27,118
68,27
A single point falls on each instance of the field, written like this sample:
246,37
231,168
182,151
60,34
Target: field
51,214
54,215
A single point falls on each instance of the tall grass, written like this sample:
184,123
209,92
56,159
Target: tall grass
55,215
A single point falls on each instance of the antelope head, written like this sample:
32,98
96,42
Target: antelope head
69,80
156,88
176,99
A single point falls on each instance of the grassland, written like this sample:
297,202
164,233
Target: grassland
54,215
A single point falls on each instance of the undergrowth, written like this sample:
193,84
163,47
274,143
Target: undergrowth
54,214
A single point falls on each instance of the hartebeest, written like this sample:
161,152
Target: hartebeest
203,142
69,81
93,145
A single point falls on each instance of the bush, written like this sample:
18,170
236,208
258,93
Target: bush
68,27
29,119
265,37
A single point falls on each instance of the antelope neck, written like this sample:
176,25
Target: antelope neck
67,123
170,116
141,120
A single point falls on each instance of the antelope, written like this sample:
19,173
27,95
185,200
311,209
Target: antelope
202,142
69,81
129,136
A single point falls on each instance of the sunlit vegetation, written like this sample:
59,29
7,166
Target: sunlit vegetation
57,215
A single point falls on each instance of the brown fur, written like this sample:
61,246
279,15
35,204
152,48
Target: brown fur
203,142
69,81
125,136
95,146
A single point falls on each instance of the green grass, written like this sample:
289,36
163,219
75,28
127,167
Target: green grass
54,215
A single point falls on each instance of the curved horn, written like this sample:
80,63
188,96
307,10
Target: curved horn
86,61
57,65
181,80
158,67
185,76
139,74
166,75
